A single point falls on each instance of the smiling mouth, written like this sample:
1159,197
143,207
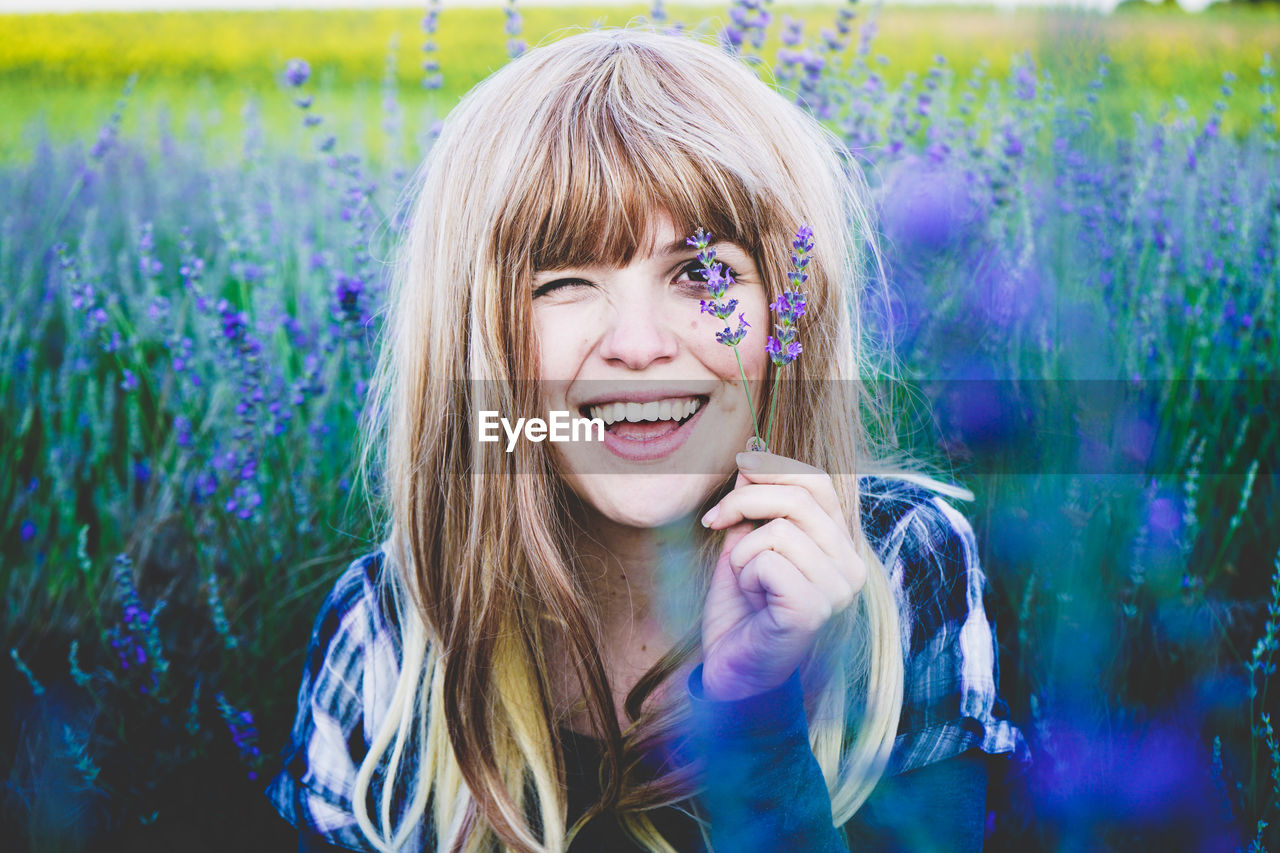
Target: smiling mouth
646,421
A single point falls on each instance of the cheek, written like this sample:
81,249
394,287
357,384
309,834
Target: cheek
562,346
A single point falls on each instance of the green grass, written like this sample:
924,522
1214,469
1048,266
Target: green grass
63,73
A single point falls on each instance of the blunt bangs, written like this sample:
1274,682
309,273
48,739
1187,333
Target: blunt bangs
618,143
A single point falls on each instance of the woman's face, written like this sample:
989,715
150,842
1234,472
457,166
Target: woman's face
630,345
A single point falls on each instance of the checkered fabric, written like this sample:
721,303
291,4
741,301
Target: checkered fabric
950,704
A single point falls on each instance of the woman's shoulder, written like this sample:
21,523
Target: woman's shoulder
916,532
951,697
349,674
357,608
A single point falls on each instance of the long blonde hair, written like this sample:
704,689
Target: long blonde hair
557,160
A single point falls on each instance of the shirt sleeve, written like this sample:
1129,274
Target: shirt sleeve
951,700
313,791
765,791
763,788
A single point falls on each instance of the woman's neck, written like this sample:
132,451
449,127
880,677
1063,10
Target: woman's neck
618,567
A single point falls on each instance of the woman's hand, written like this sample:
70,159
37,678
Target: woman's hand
775,586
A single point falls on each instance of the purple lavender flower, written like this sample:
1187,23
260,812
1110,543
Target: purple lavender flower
719,310
782,354
790,306
732,339
1025,83
718,281
297,72
243,733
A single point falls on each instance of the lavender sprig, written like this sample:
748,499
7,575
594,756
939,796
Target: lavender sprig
790,307
718,282
243,732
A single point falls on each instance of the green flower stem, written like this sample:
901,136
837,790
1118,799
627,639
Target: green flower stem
745,387
773,405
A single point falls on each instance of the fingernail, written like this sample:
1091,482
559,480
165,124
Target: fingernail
710,516
748,460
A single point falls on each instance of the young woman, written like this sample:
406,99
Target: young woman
655,641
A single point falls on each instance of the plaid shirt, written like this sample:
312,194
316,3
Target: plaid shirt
950,701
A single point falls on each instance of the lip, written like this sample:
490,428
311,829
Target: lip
658,448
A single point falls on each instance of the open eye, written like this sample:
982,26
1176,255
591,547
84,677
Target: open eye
698,275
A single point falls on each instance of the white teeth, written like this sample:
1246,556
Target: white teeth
676,409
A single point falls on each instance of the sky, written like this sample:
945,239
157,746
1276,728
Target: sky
123,5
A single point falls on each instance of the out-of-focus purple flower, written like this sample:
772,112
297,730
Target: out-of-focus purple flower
515,46
233,322
244,502
27,531
182,430
1013,146
130,381
926,207
206,486
296,72
243,733
248,271
1024,82
792,31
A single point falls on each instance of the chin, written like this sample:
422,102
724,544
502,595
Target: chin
645,500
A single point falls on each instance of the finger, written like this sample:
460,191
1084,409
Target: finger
734,535
758,467
793,603
838,582
793,502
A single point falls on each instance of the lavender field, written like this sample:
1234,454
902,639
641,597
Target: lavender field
1085,323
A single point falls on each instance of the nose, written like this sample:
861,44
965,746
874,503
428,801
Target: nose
639,332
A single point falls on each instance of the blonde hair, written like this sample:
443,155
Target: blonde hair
577,139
